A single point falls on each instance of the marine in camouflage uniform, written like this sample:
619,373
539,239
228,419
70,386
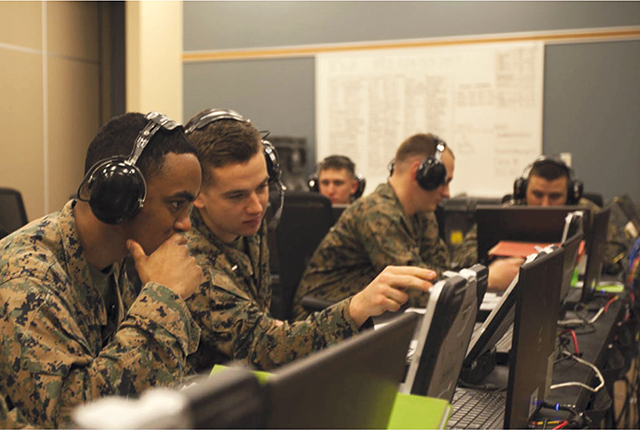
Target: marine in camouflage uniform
371,233
466,254
232,307
61,345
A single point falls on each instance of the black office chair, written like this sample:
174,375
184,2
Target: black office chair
12,212
596,198
306,219
506,198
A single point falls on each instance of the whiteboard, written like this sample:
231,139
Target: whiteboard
484,100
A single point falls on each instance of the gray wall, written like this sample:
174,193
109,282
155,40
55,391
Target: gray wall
591,97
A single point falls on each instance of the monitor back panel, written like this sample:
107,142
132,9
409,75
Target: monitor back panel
350,385
443,340
534,332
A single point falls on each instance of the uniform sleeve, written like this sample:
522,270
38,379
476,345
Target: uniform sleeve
50,366
234,328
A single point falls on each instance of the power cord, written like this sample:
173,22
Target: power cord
580,384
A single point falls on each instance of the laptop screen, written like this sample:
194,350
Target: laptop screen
349,385
522,223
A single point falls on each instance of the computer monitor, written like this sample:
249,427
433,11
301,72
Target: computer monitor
232,398
349,385
522,223
494,327
444,334
595,253
534,332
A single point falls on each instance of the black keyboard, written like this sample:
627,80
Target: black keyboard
477,409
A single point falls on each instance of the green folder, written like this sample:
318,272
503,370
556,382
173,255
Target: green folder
419,412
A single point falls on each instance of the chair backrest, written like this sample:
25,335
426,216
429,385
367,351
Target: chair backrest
306,219
596,198
12,211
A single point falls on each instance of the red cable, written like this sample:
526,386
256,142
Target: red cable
575,339
562,424
606,307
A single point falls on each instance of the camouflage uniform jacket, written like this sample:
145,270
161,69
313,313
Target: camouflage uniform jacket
232,308
372,233
10,419
466,254
54,354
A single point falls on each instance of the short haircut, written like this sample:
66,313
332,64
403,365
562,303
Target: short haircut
421,144
224,142
549,170
117,137
338,162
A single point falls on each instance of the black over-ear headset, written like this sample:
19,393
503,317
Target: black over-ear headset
431,172
273,164
574,186
115,188
314,184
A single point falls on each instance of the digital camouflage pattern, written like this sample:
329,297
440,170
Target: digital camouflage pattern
232,308
53,355
10,419
616,248
371,234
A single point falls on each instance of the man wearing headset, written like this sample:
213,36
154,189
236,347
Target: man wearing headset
73,328
394,225
336,179
549,182
229,241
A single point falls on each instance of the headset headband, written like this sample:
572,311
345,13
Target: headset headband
156,122
441,145
548,159
209,116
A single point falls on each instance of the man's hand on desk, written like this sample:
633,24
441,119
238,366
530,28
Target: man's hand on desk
502,272
387,291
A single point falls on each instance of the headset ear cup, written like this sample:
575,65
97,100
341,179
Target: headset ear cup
313,184
576,188
431,174
362,183
116,192
273,163
520,189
